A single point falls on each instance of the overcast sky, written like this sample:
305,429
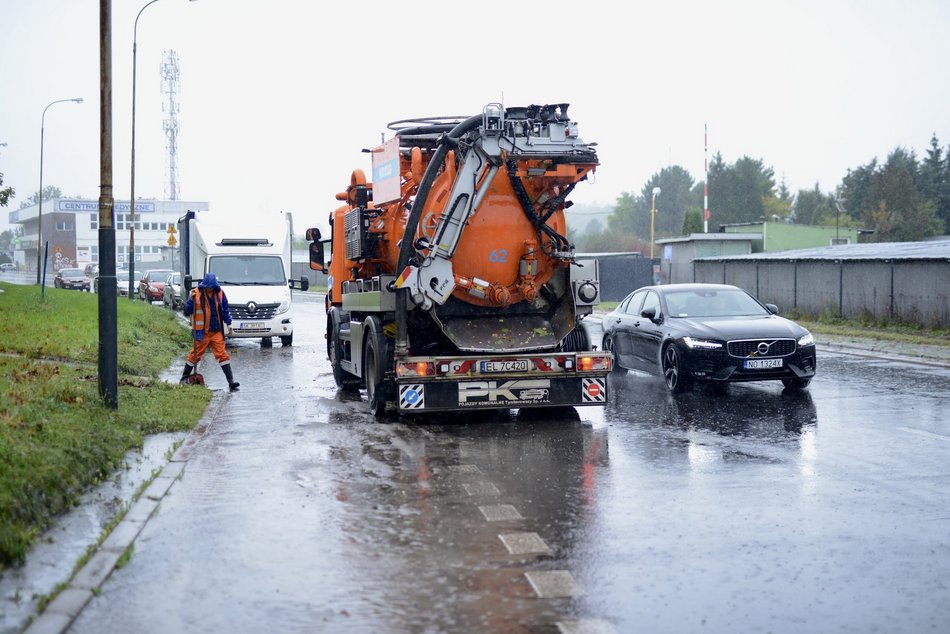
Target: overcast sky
278,97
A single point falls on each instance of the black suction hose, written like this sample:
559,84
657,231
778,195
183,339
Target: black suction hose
406,248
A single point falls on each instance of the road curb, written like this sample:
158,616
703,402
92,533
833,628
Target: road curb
87,581
937,356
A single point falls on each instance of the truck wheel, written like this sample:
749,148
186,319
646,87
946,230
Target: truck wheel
344,380
376,356
287,340
374,387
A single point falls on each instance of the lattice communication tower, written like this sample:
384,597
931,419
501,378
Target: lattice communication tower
170,73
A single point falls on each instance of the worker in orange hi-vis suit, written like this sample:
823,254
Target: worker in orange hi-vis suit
207,306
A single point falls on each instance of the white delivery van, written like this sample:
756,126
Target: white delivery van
252,264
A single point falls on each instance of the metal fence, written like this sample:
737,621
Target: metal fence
904,290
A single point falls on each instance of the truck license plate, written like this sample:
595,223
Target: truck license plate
762,364
517,365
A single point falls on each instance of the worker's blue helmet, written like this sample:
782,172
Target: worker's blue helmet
210,280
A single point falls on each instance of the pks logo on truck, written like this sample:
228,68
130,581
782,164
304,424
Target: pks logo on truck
475,393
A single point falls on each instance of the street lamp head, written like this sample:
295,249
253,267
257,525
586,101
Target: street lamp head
656,191
78,99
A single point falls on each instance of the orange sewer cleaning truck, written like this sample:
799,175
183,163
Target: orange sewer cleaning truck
451,282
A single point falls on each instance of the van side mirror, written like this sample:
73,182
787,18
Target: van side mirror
300,285
187,282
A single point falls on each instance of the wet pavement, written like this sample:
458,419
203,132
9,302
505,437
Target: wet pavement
749,510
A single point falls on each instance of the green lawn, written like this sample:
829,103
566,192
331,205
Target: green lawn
57,437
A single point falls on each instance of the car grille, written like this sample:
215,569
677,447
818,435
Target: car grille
750,347
260,311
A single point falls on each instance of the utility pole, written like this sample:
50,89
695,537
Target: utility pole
108,317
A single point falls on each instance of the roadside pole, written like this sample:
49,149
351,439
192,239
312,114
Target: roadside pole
108,328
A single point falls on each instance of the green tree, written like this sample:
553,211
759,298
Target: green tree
6,193
693,220
675,196
632,213
855,190
934,181
813,207
49,192
629,215
739,192
895,208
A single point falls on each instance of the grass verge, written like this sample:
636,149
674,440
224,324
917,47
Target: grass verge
57,437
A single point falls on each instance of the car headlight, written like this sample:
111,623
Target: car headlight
702,344
284,306
806,340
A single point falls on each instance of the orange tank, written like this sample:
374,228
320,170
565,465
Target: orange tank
508,247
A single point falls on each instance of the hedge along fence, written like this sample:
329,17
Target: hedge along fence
914,291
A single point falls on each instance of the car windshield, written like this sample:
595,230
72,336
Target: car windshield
71,272
250,270
712,303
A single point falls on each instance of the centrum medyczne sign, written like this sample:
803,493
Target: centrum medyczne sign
80,206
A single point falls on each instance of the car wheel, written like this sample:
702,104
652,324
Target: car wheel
287,340
796,384
674,370
608,346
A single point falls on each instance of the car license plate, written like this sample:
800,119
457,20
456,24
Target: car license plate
762,364
252,325
517,365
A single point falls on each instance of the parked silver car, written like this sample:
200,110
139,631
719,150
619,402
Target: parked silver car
171,295
121,283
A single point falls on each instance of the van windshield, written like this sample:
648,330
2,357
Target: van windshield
248,270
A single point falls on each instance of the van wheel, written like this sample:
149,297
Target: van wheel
287,340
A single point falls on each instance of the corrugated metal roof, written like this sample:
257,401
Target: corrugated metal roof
931,250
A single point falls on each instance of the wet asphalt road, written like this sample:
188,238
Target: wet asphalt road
749,511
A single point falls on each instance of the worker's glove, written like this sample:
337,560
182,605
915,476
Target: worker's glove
230,331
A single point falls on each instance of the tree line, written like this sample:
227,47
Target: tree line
902,198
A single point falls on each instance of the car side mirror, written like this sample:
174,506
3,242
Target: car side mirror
649,313
772,308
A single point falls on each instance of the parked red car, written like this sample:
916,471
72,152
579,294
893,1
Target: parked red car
152,285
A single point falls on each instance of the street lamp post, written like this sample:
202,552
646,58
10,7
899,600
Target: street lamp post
39,225
135,35
656,192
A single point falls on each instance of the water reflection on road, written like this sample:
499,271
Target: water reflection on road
747,510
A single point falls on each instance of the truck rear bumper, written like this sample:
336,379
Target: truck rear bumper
444,395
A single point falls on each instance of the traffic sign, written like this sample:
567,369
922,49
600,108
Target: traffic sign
172,241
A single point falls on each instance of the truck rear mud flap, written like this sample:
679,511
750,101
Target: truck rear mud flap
431,396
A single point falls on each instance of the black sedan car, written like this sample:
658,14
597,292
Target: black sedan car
707,332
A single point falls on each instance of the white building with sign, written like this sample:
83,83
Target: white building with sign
71,228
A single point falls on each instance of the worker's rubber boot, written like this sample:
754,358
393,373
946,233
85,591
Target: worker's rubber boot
230,377
186,372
